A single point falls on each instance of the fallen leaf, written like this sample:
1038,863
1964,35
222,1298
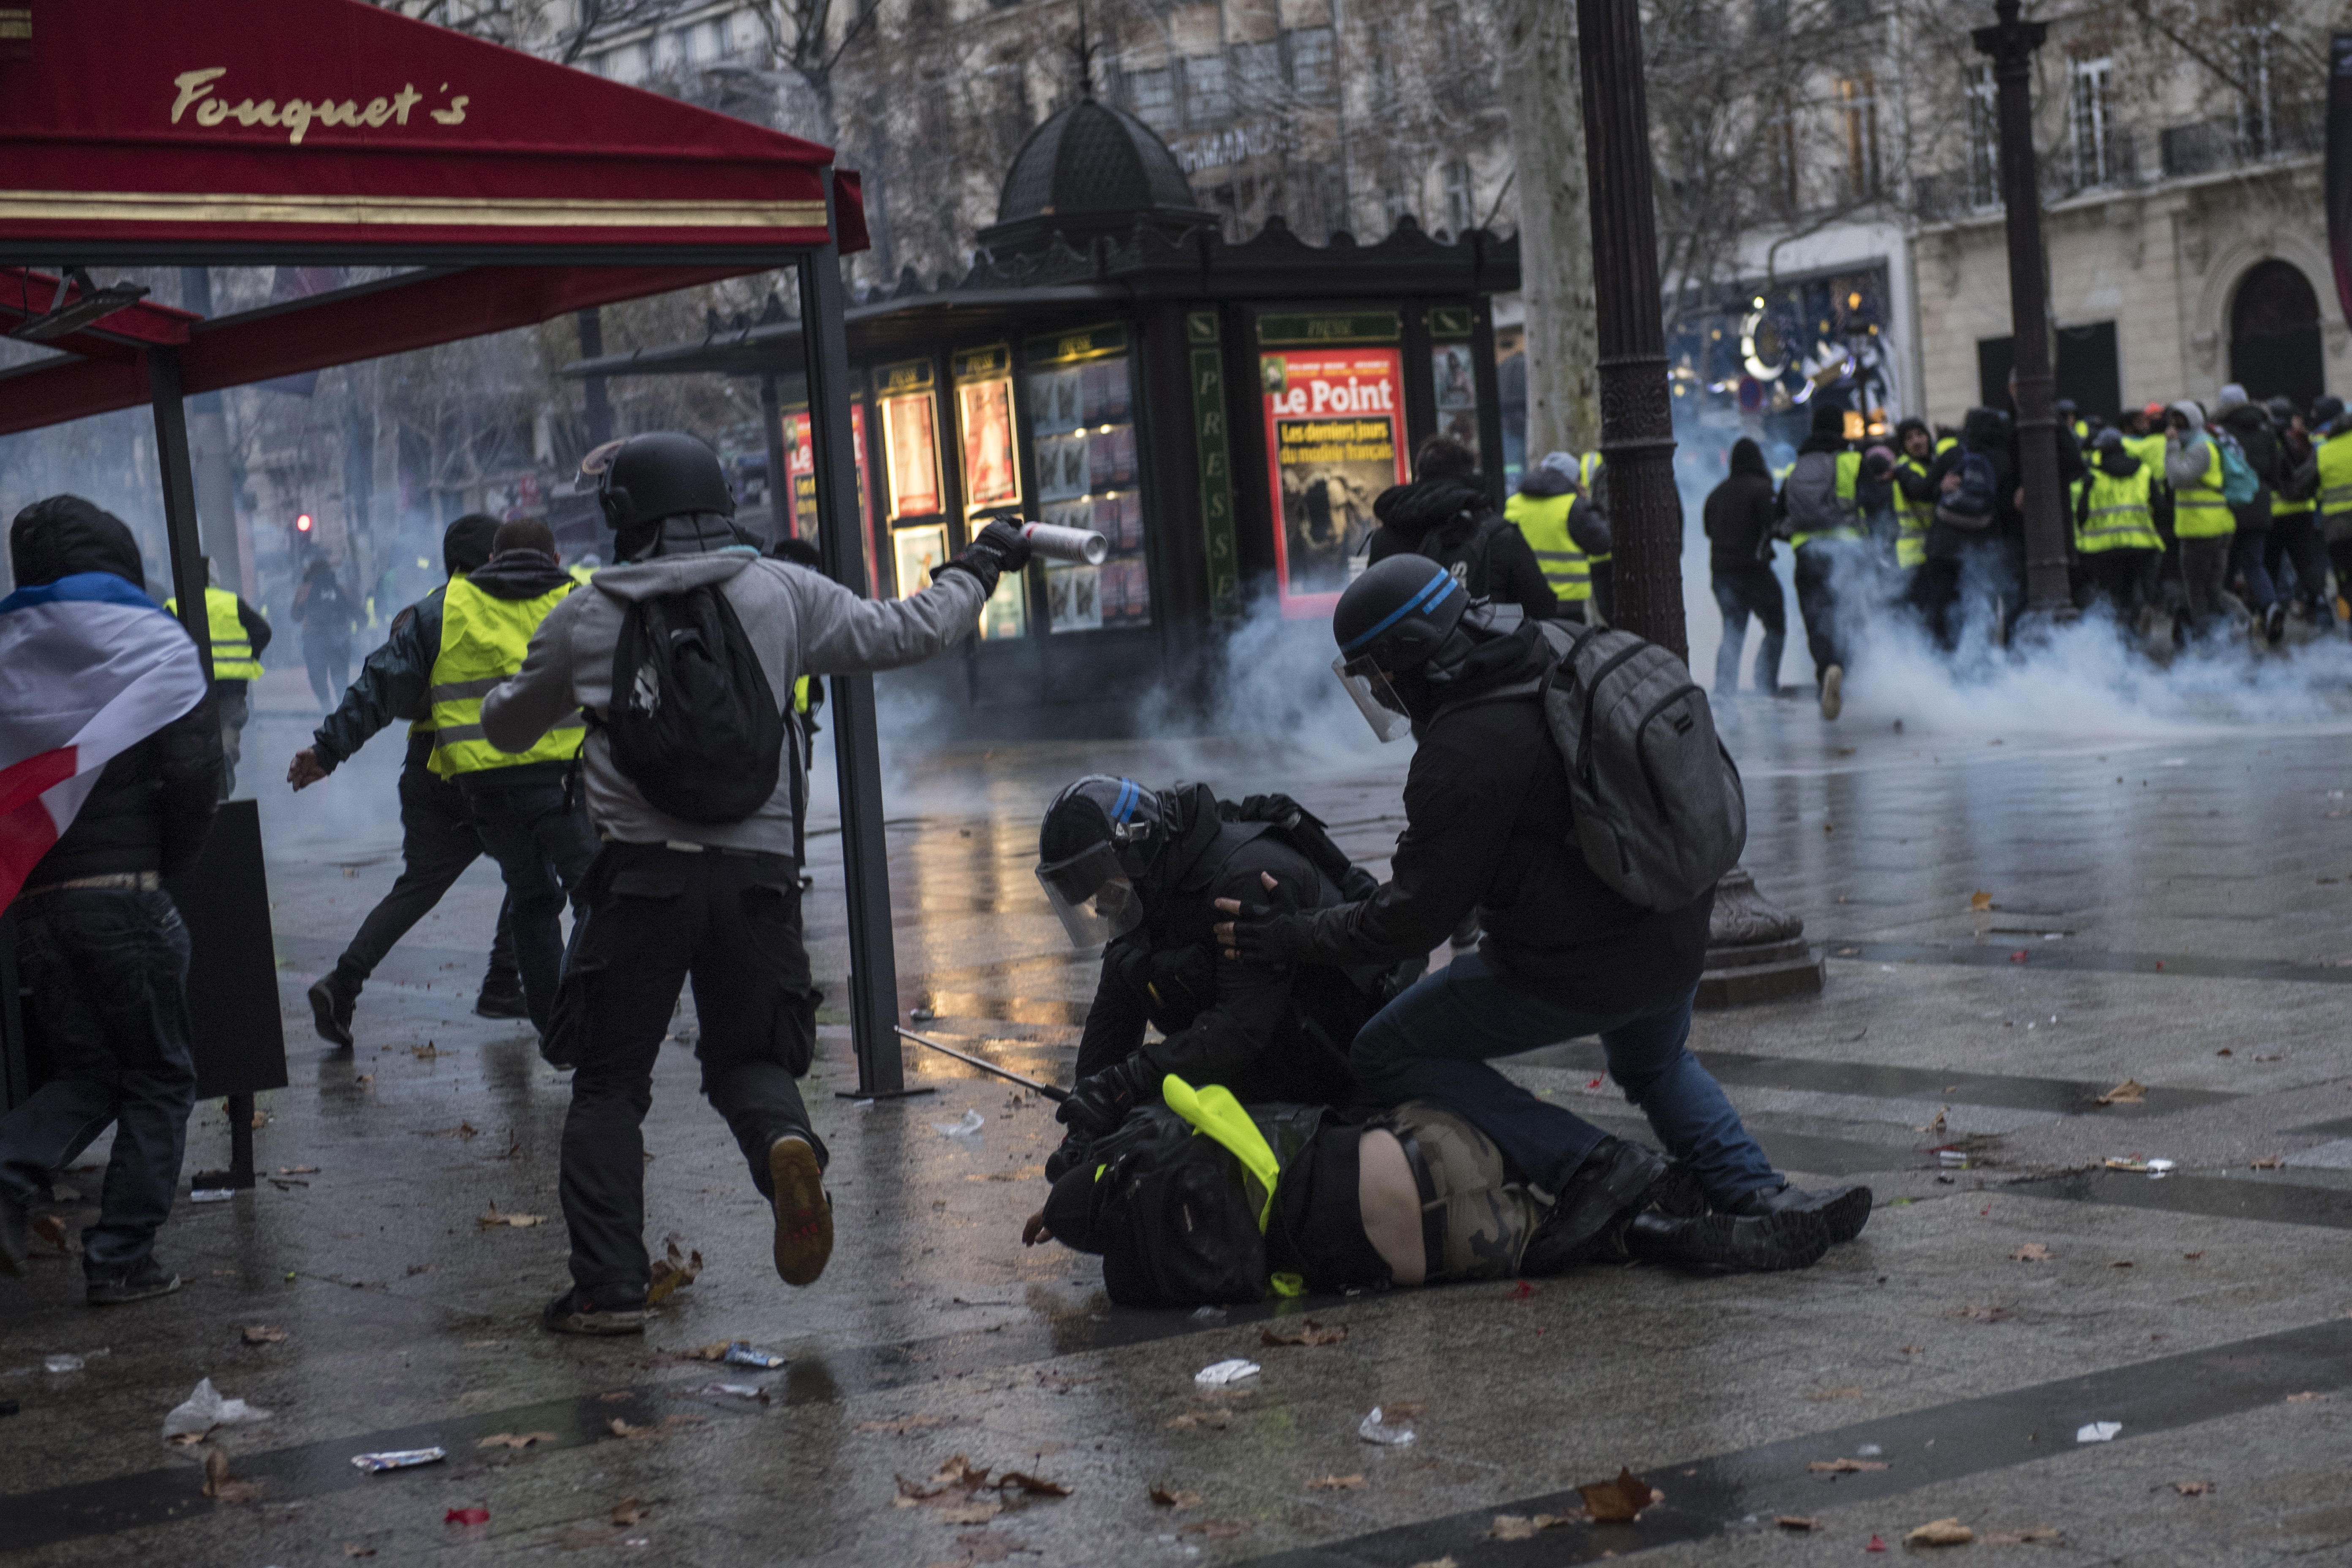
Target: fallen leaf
672,1273
629,1510
1940,1532
263,1335
515,1439
1215,1419
1519,1527
2031,1252
1028,1485
1167,1497
1982,1314
2192,1489
303,1171
1911,1350
2268,1162
216,1470
1844,1467
52,1230
2121,1263
1621,1499
352,1551
2193,1256
1796,1522
2225,1051
1407,1409
1851,1391
619,1428
897,1428
2128,1092
467,1516
2306,1398
1979,899
1060,1382
493,1219
1335,1483
684,1420
1216,1529
1311,1333
427,1051
976,1513
2021,1537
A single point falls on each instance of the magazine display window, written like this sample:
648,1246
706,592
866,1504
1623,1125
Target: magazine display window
1082,437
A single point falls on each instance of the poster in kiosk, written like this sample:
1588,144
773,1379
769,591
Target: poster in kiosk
1333,391
800,474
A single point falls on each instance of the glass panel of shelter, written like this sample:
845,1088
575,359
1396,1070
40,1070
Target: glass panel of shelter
1081,414
914,489
987,429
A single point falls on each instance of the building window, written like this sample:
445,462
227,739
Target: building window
1461,203
1984,139
1858,102
1256,72
1207,100
1310,61
2089,121
1151,96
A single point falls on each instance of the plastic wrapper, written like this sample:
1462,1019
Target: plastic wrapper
206,1409
741,1354
399,1459
1218,1373
1372,1429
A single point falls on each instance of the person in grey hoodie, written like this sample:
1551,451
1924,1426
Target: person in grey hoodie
2201,519
668,898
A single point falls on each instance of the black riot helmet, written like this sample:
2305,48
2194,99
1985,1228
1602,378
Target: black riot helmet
1102,837
661,474
1390,622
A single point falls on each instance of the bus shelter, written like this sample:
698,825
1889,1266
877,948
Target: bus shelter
479,189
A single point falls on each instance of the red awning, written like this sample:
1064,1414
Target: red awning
243,131
232,127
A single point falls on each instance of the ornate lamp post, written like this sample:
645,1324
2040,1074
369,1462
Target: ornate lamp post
2009,44
1755,951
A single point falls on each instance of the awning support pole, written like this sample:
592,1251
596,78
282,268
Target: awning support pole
857,745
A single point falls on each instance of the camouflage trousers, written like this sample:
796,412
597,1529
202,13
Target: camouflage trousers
1475,1215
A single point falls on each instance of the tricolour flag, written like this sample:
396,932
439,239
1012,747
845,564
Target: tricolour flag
89,667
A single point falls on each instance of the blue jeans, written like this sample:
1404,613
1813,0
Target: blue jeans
1433,1042
543,845
104,973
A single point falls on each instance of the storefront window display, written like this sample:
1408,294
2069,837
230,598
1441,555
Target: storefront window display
992,468
1082,434
910,467
1452,373
1334,427
799,473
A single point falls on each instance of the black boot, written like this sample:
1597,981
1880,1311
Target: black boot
1764,1244
1843,1210
502,996
332,999
1617,1178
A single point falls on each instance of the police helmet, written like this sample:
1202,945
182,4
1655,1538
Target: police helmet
1101,836
1389,622
644,479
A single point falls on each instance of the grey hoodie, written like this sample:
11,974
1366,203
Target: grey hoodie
2184,460
800,622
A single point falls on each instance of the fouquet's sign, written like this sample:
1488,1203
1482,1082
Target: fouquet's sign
205,97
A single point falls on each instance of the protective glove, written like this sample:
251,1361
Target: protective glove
1279,809
1358,885
1276,931
1001,548
1098,1104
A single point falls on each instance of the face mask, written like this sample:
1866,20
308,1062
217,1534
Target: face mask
1375,698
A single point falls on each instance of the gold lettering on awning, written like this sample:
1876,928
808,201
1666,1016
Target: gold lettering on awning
296,116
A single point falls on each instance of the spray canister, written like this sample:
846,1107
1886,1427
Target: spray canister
1055,542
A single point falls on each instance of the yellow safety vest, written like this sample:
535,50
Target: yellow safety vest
801,694
1849,469
1543,521
2149,449
483,641
2335,475
580,574
1588,469
232,649
1911,518
2119,516
2282,507
2198,510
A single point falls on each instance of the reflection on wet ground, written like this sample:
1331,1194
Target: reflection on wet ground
2170,911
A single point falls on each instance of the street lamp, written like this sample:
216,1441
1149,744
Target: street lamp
2009,44
1755,952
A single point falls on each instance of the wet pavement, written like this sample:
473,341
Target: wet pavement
2016,920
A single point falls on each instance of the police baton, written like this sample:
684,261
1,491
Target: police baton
1047,1089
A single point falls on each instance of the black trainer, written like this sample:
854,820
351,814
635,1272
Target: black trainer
144,1283
1843,1210
1763,1243
578,1312
501,996
1617,1178
330,1009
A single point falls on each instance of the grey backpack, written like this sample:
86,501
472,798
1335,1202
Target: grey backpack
1809,500
1660,813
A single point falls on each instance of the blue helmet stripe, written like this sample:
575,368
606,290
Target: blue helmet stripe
1124,807
1431,595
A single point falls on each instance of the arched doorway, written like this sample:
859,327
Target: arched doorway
2274,335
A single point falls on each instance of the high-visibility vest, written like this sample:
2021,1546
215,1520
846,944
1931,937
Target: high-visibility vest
232,649
2280,506
1543,521
580,574
2199,511
2335,475
483,641
1911,518
801,694
2118,517
2149,449
1849,469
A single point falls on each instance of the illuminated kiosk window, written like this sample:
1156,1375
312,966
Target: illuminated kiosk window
800,474
1454,372
1082,439
916,504
991,470
1332,391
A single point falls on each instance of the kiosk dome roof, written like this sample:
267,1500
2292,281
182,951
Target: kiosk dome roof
1091,159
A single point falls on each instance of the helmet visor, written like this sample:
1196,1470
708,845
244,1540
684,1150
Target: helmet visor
1092,896
1367,687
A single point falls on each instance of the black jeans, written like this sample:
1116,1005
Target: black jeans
1935,594
329,661
542,843
1742,591
438,842
1817,601
104,973
2246,552
235,706
656,917
2204,573
2294,541
2125,578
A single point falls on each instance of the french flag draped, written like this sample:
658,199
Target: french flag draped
89,667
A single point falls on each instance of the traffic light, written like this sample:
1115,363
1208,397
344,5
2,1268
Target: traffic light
303,523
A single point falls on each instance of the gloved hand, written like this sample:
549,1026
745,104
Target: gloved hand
1359,885
999,548
1279,809
1098,1104
1271,932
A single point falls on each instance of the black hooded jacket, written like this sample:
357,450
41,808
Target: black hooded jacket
1740,513
393,684
153,806
1487,826
1452,521
1264,1031
2250,422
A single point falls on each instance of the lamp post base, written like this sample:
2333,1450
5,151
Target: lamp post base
1756,951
